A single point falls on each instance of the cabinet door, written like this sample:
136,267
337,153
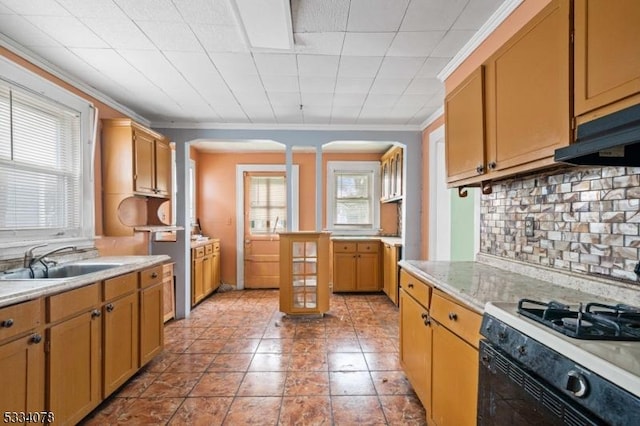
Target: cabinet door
207,275
197,280
74,367
151,323
528,101
143,161
465,128
22,372
120,351
454,379
168,299
397,178
163,167
368,272
386,180
607,57
415,347
390,267
344,272
215,259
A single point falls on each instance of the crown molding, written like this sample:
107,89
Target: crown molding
259,126
487,28
433,117
52,69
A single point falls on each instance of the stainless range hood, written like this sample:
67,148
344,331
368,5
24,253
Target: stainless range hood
612,140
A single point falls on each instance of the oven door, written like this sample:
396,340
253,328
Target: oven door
510,395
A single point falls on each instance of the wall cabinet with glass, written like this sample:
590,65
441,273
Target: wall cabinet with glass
304,272
391,172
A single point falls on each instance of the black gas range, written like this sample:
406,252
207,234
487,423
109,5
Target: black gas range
550,363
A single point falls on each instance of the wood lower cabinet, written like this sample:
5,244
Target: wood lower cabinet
304,272
74,354
356,266
168,292
205,270
606,55
22,358
390,258
151,314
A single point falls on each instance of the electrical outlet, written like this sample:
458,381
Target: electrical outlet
528,227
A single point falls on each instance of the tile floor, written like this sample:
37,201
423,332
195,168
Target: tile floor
239,361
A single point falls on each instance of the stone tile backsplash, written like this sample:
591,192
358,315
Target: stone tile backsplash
586,220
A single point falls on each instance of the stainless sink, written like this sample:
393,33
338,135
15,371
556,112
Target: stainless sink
66,270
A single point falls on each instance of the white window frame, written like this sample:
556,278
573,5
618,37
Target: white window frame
372,167
21,79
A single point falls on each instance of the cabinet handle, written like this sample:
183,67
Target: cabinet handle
95,313
410,285
36,338
154,275
7,323
492,165
427,319
453,316
110,307
480,169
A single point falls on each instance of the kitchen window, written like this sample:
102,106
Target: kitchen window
45,188
268,204
353,197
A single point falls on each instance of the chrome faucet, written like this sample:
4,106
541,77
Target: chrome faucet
29,258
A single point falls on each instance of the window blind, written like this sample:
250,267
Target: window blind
353,199
40,164
268,204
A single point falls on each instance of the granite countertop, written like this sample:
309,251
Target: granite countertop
491,280
203,242
396,241
15,291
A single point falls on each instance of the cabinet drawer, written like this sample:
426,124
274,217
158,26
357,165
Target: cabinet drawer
197,252
459,319
208,249
167,271
370,247
416,288
216,246
151,276
343,247
17,319
73,301
119,286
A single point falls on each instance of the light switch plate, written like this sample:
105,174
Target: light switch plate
528,226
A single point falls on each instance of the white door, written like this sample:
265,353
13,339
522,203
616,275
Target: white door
440,201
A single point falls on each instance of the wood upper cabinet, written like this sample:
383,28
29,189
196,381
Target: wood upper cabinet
522,92
606,55
22,358
356,266
465,135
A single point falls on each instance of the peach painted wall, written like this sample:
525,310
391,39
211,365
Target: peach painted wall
216,199
106,246
424,217
518,18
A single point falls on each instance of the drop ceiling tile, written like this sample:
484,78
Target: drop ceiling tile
317,115
171,36
380,101
319,43
400,67
404,111
119,33
230,64
197,68
374,112
432,67
24,32
256,99
36,7
367,44
390,86
349,99
318,65
359,66
69,31
414,101
221,38
452,42
282,99
353,85
276,64
286,114
423,86
92,9
205,11
317,84
152,10
243,82
275,83
258,114
376,15
415,43
427,15
312,16
316,99
475,14
344,115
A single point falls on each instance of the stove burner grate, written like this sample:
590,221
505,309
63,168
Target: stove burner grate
596,321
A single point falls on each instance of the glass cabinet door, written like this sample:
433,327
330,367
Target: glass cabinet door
305,274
